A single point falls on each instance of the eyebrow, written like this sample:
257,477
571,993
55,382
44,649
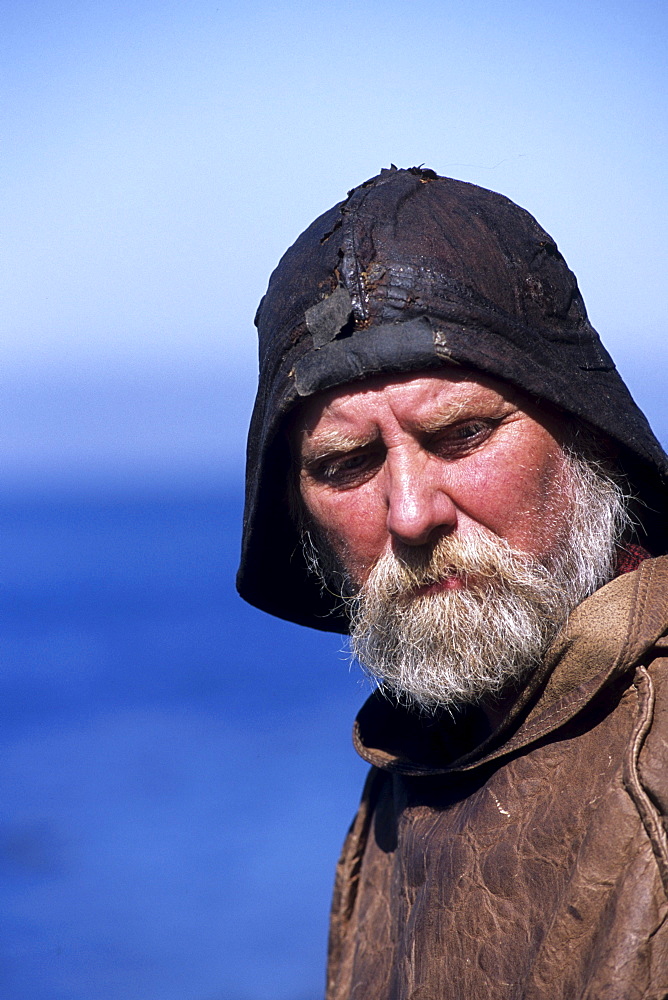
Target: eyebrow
332,442
444,418
338,442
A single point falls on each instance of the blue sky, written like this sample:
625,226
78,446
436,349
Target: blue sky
159,157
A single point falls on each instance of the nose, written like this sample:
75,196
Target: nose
419,505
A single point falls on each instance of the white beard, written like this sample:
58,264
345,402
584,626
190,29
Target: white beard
455,646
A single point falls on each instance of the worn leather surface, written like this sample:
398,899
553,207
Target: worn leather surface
535,865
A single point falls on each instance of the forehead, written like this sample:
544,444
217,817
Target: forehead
450,391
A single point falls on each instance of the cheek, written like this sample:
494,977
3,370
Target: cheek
353,522
519,500
553,504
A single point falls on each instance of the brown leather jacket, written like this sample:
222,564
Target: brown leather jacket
531,863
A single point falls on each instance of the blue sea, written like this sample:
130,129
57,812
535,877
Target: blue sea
177,768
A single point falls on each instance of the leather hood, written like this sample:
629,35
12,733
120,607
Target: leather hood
411,272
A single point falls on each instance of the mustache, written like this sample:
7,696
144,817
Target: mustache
480,560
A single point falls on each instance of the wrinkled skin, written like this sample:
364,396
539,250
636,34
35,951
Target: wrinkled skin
404,459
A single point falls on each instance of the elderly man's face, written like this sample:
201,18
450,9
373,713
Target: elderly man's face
409,459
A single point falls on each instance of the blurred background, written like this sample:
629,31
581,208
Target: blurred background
176,767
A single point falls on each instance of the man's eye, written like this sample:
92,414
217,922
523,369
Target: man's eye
466,431
463,437
347,470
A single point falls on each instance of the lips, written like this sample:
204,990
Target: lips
450,582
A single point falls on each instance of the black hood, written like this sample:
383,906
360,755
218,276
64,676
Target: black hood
411,272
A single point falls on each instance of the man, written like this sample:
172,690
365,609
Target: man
444,461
